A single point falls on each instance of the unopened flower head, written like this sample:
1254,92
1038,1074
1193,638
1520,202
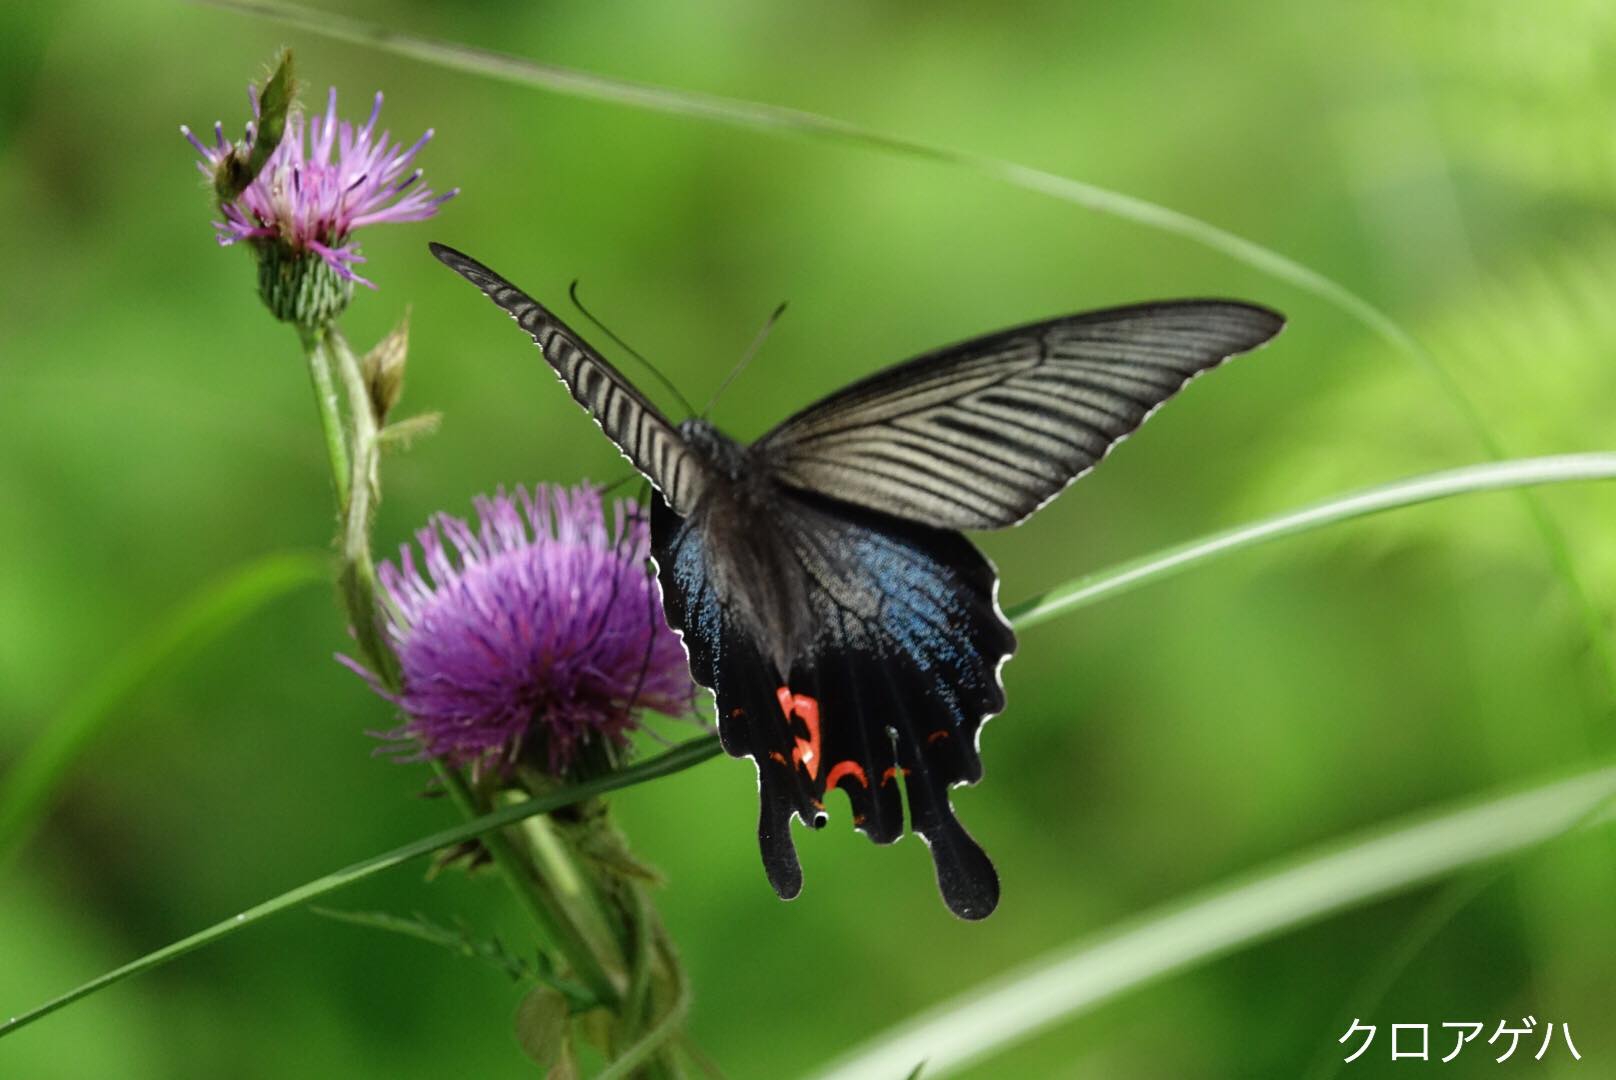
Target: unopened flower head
323,182
540,629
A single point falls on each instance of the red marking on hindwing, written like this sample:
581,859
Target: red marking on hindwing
934,736
845,768
775,755
806,709
892,770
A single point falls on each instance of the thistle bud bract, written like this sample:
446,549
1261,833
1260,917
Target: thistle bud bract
301,287
383,368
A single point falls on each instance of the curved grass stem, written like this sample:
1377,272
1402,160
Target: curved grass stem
1467,480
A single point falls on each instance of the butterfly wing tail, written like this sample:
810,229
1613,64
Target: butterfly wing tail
750,725
882,727
965,874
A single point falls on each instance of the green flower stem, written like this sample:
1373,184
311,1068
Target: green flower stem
590,863
549,910
661,1035
554,917
330,410
622,887
637,1002
359,589
678,759
577,891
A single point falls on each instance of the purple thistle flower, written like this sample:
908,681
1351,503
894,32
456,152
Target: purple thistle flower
312,195
542,627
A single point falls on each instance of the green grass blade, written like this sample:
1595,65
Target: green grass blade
778,120
681,757
207,614
1494,476
1282,897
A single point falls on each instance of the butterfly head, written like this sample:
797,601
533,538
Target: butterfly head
716,450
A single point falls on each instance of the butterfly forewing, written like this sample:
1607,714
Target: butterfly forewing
628,418
979,435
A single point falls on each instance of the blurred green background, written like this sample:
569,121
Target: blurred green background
1453,162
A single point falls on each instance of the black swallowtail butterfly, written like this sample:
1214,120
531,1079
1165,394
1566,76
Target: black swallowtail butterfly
850,634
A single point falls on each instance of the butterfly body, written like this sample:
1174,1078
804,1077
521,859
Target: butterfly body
736,525
850,633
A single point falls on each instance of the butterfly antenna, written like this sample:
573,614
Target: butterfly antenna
572,291
746,358
619,482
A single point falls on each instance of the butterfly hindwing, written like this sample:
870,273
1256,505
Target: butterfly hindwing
981,434
628,418
915,724
891,686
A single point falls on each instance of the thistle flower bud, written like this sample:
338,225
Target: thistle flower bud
300,287
383,368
